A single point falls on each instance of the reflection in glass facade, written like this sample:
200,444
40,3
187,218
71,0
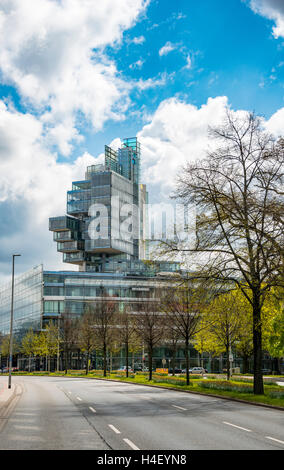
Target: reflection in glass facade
28,303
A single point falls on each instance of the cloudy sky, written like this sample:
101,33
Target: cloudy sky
78,74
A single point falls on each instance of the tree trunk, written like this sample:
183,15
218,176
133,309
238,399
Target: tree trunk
150,362
87,364
126,357
228,362
187,361
245,364
174,360
105,360
257,346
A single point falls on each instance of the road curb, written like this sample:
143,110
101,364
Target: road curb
6,403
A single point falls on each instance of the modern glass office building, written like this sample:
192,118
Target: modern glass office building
104,233
105,215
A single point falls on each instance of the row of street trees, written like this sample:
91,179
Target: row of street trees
180,316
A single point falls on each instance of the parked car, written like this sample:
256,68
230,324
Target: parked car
124,369
177,371
4,370
266,371
184,371
198,370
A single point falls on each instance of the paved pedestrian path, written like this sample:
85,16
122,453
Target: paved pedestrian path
5,392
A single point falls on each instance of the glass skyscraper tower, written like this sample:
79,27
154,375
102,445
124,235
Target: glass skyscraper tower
105,228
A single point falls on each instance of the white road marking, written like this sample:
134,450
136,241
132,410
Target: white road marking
92,409
130,443
78,398
179,407
235,426
31,428
273,439
114,429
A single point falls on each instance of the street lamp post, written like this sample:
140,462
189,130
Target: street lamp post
11,323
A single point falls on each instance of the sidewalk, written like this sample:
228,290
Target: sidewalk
6,394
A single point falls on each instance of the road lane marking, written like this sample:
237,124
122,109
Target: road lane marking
78,398
273,439
30,428
179,407
130,443
114,429
235,426
92,409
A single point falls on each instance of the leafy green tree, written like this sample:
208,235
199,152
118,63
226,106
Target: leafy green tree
275,331
52,340
27,346
222,321
5,347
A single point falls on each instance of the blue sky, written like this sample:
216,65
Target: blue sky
78,74
232,52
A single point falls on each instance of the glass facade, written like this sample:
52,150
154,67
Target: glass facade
28,294
105,216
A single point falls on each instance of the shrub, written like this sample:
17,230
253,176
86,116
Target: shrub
276,394
169,380
227,386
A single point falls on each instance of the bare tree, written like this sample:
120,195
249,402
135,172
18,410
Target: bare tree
86,335
172,339
149,325
182,307
127,332
238,193
68,335
105,325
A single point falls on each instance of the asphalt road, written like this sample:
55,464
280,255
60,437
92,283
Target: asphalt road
66,413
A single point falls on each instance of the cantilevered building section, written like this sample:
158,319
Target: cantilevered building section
106,228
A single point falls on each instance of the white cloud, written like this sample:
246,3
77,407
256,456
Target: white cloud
272,9
152,82
137,65
275,124
177,131
188,62
138,40
53,53
33,188
168,47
